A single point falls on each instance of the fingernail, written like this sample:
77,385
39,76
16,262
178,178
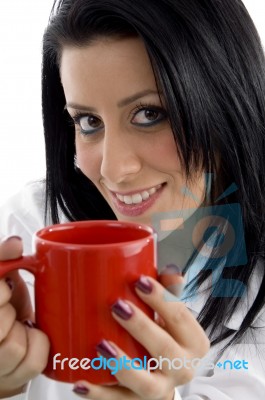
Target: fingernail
10,283
7,239
171,269
144,285
122,309
29,323
80,389
106,349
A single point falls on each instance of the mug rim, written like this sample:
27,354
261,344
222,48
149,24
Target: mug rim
150,233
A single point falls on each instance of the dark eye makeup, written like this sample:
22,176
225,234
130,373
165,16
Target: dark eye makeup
143,115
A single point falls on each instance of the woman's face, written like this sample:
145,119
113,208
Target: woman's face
124,143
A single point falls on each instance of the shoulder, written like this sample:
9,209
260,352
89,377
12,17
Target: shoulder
27,202
23,213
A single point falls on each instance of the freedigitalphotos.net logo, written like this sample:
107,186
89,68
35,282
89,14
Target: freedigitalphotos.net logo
205,237
115,365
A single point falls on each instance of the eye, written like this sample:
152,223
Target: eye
147,116
88,123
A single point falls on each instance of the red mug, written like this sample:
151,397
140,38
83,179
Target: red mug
81,269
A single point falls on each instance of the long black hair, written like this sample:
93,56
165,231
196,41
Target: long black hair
209,63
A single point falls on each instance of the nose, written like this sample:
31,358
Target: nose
120,159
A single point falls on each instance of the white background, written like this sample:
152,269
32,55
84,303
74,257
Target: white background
21,134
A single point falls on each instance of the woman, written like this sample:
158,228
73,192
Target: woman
141,102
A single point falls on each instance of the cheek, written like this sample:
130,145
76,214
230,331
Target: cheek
88,160
164,153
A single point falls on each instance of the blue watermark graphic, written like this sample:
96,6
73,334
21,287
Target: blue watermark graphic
204,238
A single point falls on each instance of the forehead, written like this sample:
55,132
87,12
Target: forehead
107,64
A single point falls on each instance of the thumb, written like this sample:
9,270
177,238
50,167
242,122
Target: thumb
10,249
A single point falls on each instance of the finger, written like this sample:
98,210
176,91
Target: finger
13,349
5,291
171,278
7,319
134,374
142,328
35,359
11,248
13,289
179,321
161,345
98,392
20,298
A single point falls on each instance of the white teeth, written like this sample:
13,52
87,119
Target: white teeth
128,200
145,195
152,191
138,197
120,197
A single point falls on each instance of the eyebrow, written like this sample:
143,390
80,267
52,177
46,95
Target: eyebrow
122,103
135,97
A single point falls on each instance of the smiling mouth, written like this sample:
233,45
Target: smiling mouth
138,198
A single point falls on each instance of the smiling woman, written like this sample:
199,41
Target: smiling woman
112,97
152,110
22,84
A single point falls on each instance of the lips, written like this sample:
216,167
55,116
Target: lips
136,203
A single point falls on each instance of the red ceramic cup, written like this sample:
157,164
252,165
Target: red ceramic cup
81,269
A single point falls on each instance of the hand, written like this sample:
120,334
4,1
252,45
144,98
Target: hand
23,349
176,334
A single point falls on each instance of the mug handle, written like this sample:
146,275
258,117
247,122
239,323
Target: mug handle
29,263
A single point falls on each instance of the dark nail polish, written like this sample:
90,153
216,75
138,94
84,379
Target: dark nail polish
122,309
10,283
144,285
7,239
106,349
171,269
29,323
80,389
